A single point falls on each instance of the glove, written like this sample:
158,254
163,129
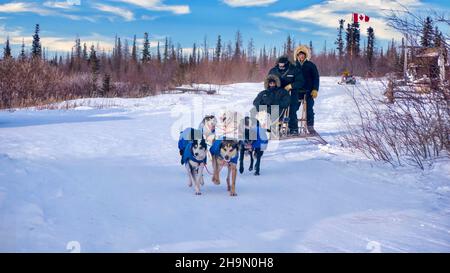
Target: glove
288,87
314,94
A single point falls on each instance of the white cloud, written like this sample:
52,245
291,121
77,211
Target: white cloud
271,27
248,3
124,13
328,13
5,32
78,18
53,43
157,5
21,7
61,4
148,18
16,7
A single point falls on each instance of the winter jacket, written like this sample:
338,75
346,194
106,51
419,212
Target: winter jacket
215,150
286,76
310,74
188,135
272,96
259,137
308,69
187,155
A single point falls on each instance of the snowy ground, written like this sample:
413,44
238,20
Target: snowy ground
110,180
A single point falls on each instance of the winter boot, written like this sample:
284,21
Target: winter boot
311,130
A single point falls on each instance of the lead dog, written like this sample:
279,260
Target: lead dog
225,152
193,153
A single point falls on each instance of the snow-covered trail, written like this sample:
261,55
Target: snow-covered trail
110,179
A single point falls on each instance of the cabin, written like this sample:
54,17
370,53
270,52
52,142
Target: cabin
430,65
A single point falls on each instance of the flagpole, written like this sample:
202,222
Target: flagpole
352,43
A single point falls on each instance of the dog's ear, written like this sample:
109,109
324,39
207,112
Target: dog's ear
247,121
236,145
203,143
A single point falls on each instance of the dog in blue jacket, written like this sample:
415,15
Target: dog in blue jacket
225,152
193,151
254,142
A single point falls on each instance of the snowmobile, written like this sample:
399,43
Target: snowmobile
302,127
348,80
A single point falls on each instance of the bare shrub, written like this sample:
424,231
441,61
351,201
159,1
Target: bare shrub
413,130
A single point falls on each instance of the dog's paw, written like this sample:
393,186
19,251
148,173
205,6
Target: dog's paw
241,170
256,173
216,181
250,169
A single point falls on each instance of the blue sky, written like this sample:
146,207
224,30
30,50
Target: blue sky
266,21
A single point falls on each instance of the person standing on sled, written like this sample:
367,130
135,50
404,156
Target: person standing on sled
292,81
285,71
310,74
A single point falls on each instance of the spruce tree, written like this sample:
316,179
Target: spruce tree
106,86
370,47
166,50
158,53
218,51
7,50
23,55
238,46
356,39
85,53
134,50
339,41
289,46
427,33
349,40
194,54
95,68
146,49
438,38
36,49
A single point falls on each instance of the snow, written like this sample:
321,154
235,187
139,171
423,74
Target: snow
104,174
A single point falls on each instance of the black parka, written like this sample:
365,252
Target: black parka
272,96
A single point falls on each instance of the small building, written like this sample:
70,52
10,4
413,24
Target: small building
429,65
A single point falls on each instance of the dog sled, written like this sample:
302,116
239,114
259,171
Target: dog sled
302,127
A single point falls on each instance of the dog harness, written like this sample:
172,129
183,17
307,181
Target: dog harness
261,140
187,136
215,151
187,155
185,144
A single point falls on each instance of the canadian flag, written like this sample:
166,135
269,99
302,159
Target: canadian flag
360,17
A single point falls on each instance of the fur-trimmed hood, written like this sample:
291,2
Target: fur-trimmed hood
272,77
302,48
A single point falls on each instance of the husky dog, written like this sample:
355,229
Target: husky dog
208,128
225,152
193,153
254,142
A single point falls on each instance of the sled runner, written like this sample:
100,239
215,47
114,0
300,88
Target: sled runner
302,127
